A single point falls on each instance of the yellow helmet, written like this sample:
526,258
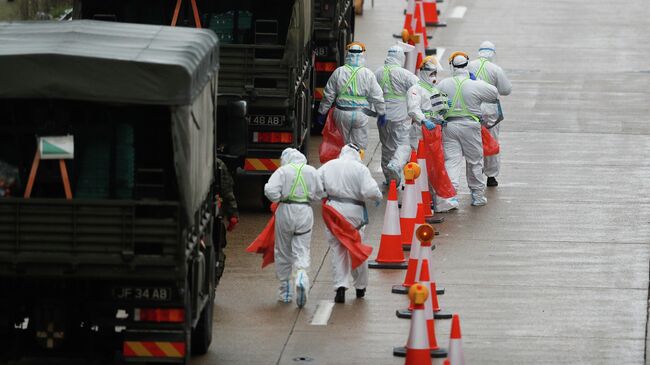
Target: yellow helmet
356,47
456,54
426,63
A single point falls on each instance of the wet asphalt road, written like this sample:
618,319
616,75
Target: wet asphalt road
554,270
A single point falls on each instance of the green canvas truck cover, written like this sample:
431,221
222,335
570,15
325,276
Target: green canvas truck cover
110,62
106,61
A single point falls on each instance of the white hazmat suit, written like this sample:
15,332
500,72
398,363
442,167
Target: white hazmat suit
294,185
351,89
485,69
395,81
425,102
348,183
461,134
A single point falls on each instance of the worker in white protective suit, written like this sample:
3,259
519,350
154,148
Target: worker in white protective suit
426,104
426,107
294,185
461,133
351,89
485,69
348,184
395,81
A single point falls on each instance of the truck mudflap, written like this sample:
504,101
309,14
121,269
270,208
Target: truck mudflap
168,347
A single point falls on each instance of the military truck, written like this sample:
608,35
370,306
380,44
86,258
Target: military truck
266,65
107,246
333,30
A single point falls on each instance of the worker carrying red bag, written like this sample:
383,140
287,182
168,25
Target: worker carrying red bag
293,186
426,107
348,184
462,131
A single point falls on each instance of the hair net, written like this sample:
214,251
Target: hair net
487,50
395,56
292,155
350,152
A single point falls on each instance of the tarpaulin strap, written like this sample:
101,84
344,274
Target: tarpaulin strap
195,10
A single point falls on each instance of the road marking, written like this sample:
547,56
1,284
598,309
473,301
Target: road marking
458,12
323,313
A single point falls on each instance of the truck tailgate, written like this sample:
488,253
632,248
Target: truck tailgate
88,238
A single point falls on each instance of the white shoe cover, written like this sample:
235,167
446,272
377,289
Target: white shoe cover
302,288
284,292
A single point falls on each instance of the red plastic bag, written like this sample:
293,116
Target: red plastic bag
490,145
435,156
265,243
333,142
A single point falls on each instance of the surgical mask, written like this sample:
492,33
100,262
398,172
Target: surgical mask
355,59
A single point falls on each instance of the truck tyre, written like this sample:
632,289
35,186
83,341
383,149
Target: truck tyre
202,334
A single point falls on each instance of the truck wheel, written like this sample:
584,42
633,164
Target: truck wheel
202,334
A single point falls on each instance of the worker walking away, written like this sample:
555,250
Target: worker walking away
348,184
426,104
426,107
394,130
294,185
352,88
228,213
461,133
485,69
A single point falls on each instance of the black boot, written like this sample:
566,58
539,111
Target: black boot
492,181
361,293
340,295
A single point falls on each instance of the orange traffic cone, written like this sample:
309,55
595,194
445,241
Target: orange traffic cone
410,200
456,356
409,24
417,345
424,274
412,272
431,14
420,27
423,184
425,234
390,254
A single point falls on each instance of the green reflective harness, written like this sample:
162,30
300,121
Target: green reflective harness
432,90
343,94
455,111
387,84
482,72
298,181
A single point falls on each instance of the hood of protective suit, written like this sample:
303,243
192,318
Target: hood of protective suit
424,75
349,153
395,56
487,50
292,155
355,59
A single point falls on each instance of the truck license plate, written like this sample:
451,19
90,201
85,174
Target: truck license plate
321,51
267,120
143,293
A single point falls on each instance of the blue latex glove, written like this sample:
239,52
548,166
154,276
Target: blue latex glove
381,120
429,124
377,203
321,119
472,76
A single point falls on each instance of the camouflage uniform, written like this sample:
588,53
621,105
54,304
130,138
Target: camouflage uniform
227,195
